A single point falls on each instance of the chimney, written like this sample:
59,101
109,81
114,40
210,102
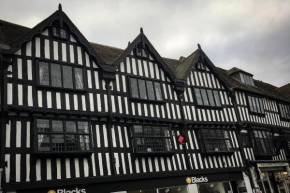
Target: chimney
181,58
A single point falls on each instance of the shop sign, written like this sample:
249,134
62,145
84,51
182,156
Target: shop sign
67,191
196,180
272,164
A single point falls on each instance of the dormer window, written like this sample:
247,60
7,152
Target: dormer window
247,79
59,32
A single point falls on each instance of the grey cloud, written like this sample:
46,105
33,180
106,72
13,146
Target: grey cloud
251,35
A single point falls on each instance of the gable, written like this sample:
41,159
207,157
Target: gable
44,31
132,60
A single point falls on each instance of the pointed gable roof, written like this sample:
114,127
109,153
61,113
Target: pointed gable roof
142,38
58,15
11,32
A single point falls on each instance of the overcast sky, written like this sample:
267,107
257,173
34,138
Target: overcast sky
251,35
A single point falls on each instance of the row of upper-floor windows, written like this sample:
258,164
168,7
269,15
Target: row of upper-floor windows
71,136
66,76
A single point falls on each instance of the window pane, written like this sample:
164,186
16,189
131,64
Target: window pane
261,106
198,96
43,74
150,90
229,145
62,33
210,97
242,77
142,89
204,97
144,54
71,142
57,126
168,144
55,31
148,131
43,125
254,104
258,106
217,98
226,134
43,142
79,81
58,143
84,142
158,91
250,103
55,75
165,131
83,127
157,131
138,130
134,88
71,126
67,76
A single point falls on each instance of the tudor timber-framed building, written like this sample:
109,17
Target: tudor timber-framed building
83,117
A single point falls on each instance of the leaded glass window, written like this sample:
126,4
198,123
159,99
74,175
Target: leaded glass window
58,135
263,143
215,140
59,32
146,139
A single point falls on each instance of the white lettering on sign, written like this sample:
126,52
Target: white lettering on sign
68,191
195,180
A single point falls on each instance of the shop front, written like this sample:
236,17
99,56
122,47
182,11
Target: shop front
272,177
206,183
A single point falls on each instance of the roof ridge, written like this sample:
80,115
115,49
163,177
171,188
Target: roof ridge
1,20
107,46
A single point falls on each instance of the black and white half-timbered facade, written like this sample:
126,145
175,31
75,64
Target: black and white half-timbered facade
81,117
263,114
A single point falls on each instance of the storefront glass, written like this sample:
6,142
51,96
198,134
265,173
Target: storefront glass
216,187
177,189
274,182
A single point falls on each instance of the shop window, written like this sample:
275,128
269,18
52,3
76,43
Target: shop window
263,143
284,111
207,97
151,139
144,89
256,105
62,136
60,76
59,32
215,141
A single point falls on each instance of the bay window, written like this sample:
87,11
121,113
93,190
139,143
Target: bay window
61,135
263,143
151,139
215,141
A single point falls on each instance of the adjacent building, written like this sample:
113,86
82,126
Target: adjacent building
78,116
